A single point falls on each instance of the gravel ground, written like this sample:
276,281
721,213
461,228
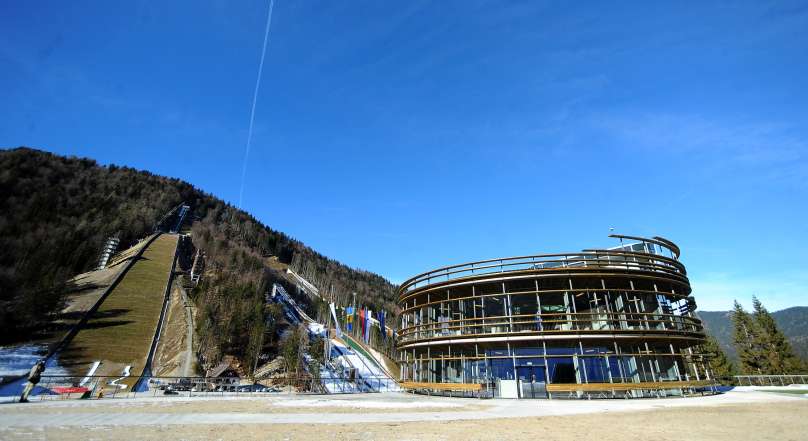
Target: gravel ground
732,416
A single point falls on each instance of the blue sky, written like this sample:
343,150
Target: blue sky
402,136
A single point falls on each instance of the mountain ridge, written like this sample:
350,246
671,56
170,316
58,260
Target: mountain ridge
56,213
792,321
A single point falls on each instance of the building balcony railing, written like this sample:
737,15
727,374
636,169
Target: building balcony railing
553,323
615,261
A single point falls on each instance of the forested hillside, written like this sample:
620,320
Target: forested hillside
56,212
792,321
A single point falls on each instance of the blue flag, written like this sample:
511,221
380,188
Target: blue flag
381,325
368,315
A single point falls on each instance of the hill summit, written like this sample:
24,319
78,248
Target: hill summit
58,212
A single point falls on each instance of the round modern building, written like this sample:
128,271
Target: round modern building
616,322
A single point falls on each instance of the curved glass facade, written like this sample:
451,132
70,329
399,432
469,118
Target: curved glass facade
603,323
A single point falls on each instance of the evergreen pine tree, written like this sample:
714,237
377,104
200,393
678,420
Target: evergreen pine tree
746,338
778,356
720,365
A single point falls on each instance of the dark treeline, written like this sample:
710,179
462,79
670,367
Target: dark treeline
762,347
336,282
56,212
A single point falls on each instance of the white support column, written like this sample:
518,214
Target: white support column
546,369
693,362
675,363
508,308
582,364
654,373
538,309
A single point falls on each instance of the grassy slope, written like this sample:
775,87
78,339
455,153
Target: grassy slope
121,331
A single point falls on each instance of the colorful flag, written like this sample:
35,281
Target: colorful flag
381,325
362,321
368,317
349,319
365,329
336,322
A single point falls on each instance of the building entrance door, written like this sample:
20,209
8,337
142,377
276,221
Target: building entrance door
531,381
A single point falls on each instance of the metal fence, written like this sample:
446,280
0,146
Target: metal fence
770,380
55,387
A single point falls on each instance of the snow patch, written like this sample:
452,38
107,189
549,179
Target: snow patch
18,360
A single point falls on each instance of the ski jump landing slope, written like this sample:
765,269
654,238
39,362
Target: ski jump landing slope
369,376
120,332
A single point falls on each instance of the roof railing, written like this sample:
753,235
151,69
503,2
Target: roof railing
612,259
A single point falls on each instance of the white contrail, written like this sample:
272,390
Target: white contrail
255,98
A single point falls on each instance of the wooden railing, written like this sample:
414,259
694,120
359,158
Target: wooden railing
585,387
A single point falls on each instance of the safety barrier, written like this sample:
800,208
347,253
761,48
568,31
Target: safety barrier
770,380
56,387
591,259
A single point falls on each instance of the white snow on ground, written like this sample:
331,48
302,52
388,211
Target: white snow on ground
790,387
371,377
317,329
17,360
334,381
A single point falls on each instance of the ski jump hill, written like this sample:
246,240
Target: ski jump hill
345,355
121,332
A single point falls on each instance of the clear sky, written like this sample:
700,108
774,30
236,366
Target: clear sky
402,136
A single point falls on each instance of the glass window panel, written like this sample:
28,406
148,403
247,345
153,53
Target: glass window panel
561,350
502,368
524,304
496,352
614,367
495,306
529,351
530,361
561,370
595,369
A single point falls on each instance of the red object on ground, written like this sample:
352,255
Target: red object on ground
69,390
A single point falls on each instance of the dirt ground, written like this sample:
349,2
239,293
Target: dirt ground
173,348
235,406
91,286
772,421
